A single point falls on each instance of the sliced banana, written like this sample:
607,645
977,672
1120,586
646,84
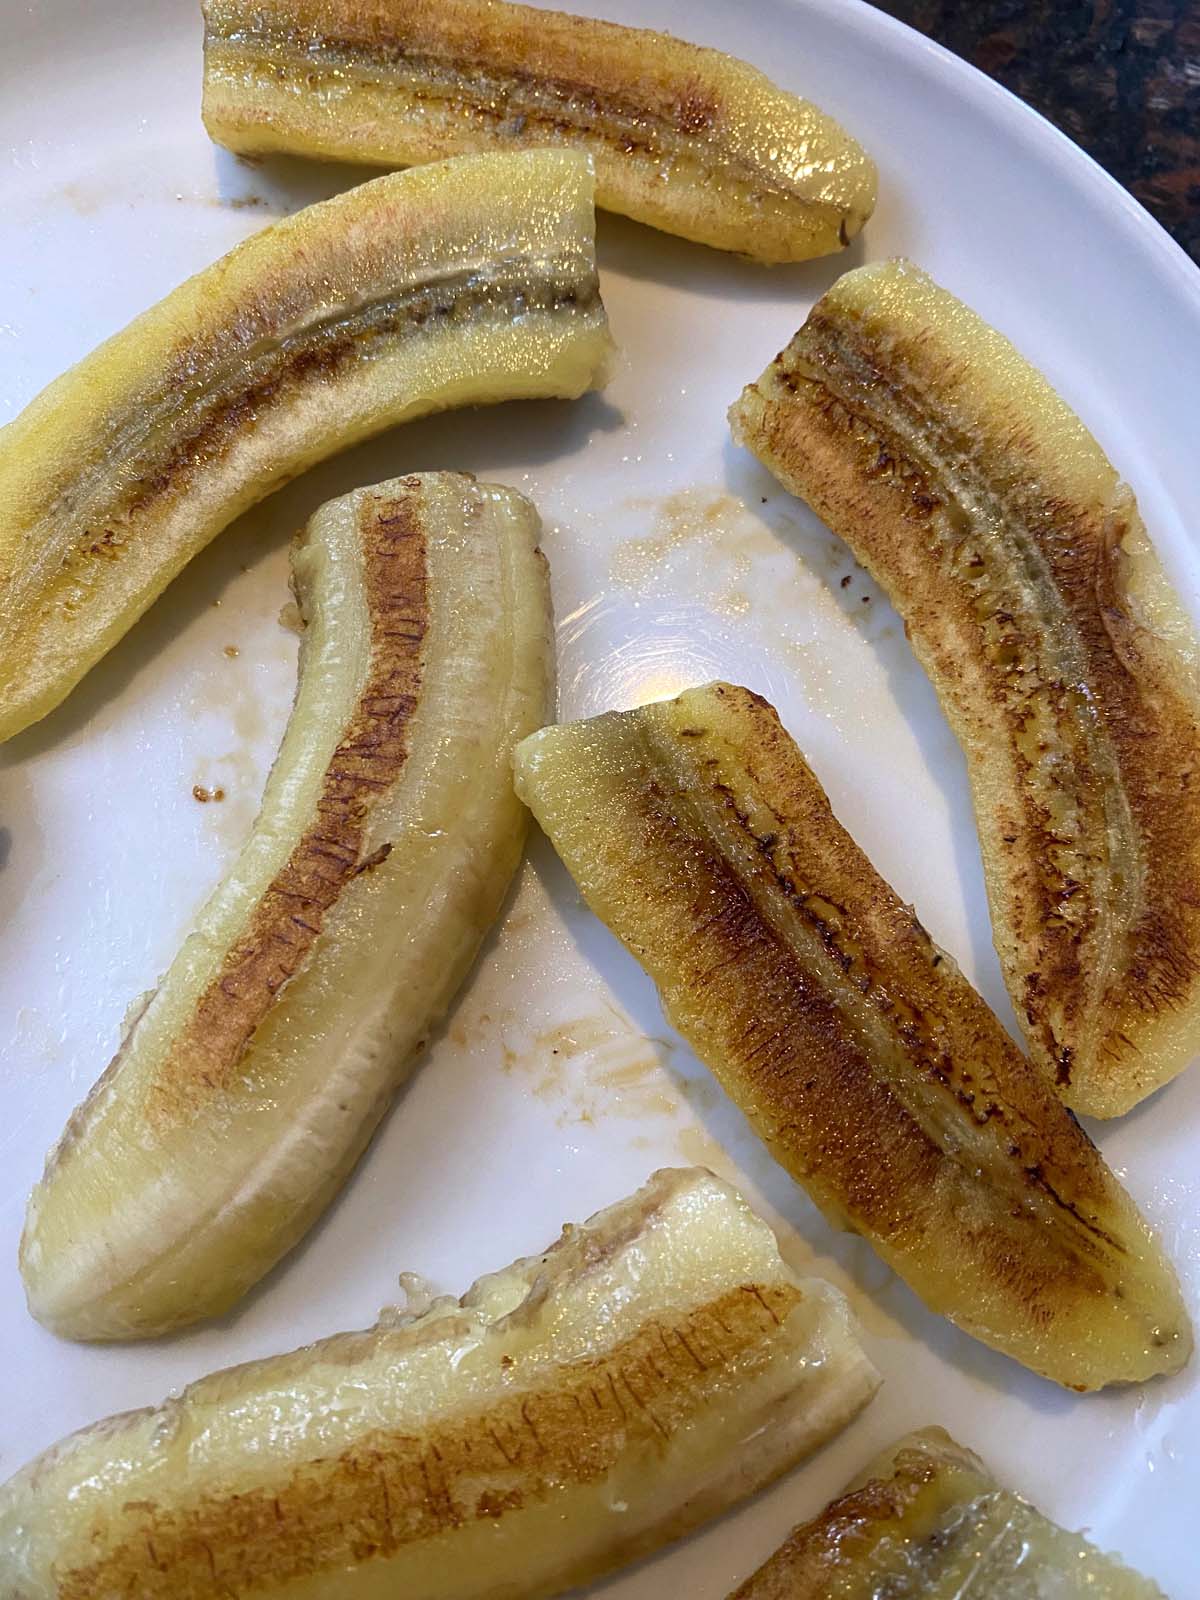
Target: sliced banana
926,1521
686,139
568,1414
389,832
470,281
865,1061
1035,602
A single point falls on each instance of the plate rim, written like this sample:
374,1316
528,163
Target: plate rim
1022,118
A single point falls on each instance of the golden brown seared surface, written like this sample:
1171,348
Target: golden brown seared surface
821,1555
396,1488
193,423
392,1489
321,350
581,66
683,137
873,1071
963,483
573,1411
367,761
389,832
926,1518
464,282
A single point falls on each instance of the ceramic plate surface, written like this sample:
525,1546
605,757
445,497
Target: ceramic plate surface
555,1086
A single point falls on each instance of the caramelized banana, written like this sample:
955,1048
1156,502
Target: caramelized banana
568,1414
1034,601
865,1061
389,833
926,1521
462,283
686,139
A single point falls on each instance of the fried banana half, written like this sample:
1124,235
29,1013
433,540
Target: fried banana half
461,283
566,1415
1034,600
868,1065
389,833
686,139
926,1521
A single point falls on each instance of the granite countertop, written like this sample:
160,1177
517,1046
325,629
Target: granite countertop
1121,77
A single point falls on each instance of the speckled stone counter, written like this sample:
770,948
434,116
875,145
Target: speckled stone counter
1121,77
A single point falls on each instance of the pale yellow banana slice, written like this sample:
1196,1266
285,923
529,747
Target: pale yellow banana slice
687,139
467,282
869,1066
1066,666
926,1521
388,835
570,1413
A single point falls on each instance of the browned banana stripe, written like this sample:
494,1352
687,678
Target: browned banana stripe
906,1506
218,390
962,482
461,282
435,62
365,764
409,80
870,1067
431,62
927,1518
330,855
388,836
569,1413
393,1489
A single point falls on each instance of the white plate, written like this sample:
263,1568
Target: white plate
556,1087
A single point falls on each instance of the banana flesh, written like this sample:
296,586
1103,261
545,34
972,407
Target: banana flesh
1063,661
686,139
388,835
457,284
868,1065
515,1442
926,1521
